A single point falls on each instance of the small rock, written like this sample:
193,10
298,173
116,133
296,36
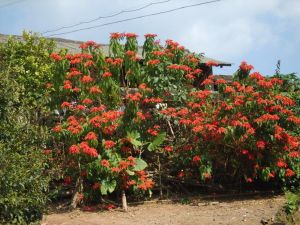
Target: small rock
202,204
264,222
214,203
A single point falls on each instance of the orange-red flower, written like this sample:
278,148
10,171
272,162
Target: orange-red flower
107,74
131,35
168,148
245,67
260,144
87,101
90,136
289,173
105,163
66,105
74,149
153,62
281,164
86,79
56,56
116,35
95,90
196,159
109,144
150,35
212,63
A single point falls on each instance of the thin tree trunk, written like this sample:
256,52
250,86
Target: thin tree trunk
171,129
124,201
159,174
78,190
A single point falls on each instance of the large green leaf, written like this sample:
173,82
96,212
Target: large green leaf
133,136
140,165
157,142
104,188
108,186
130,173
112,186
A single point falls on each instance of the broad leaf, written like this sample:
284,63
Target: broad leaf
140,165
133,137
129,172
112,186
108,186
157,142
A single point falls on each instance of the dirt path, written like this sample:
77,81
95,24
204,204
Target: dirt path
245,212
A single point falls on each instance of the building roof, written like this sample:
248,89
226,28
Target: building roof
73,47
228,78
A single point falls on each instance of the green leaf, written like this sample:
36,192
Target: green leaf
140,165
108,186
265,174
133,136
112,186
104,187
129,172
157,142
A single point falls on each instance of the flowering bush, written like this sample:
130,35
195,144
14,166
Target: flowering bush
247,130
119,112
108,121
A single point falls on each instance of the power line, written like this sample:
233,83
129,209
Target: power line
105,17
135,18
11,3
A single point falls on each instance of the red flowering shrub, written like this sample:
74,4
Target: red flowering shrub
119,112
247,130
103,133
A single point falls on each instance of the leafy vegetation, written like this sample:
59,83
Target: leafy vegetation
124,122
25,67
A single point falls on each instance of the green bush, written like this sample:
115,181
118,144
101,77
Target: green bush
293,201
25,68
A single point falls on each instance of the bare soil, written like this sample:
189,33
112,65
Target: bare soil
234,212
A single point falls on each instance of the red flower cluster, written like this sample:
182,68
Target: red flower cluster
154,131
245,67
55,56
109,144
73,125
90,136
86,149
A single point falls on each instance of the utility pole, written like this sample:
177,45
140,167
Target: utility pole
277,71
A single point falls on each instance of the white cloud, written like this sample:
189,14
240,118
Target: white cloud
236,38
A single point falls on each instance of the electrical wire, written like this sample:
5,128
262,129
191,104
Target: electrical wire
105,17
135,18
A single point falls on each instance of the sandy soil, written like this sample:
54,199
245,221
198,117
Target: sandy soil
245,212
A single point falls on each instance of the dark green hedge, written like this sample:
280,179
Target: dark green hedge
25,67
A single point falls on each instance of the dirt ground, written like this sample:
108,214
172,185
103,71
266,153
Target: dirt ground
246,212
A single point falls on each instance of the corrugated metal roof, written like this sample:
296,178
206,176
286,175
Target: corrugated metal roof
204,59
228,78
73,47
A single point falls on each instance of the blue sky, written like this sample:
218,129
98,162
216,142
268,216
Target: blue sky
257,31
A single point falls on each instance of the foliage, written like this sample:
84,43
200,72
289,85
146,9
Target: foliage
121,112
116,116
109,126
246,131
293,202
25,67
